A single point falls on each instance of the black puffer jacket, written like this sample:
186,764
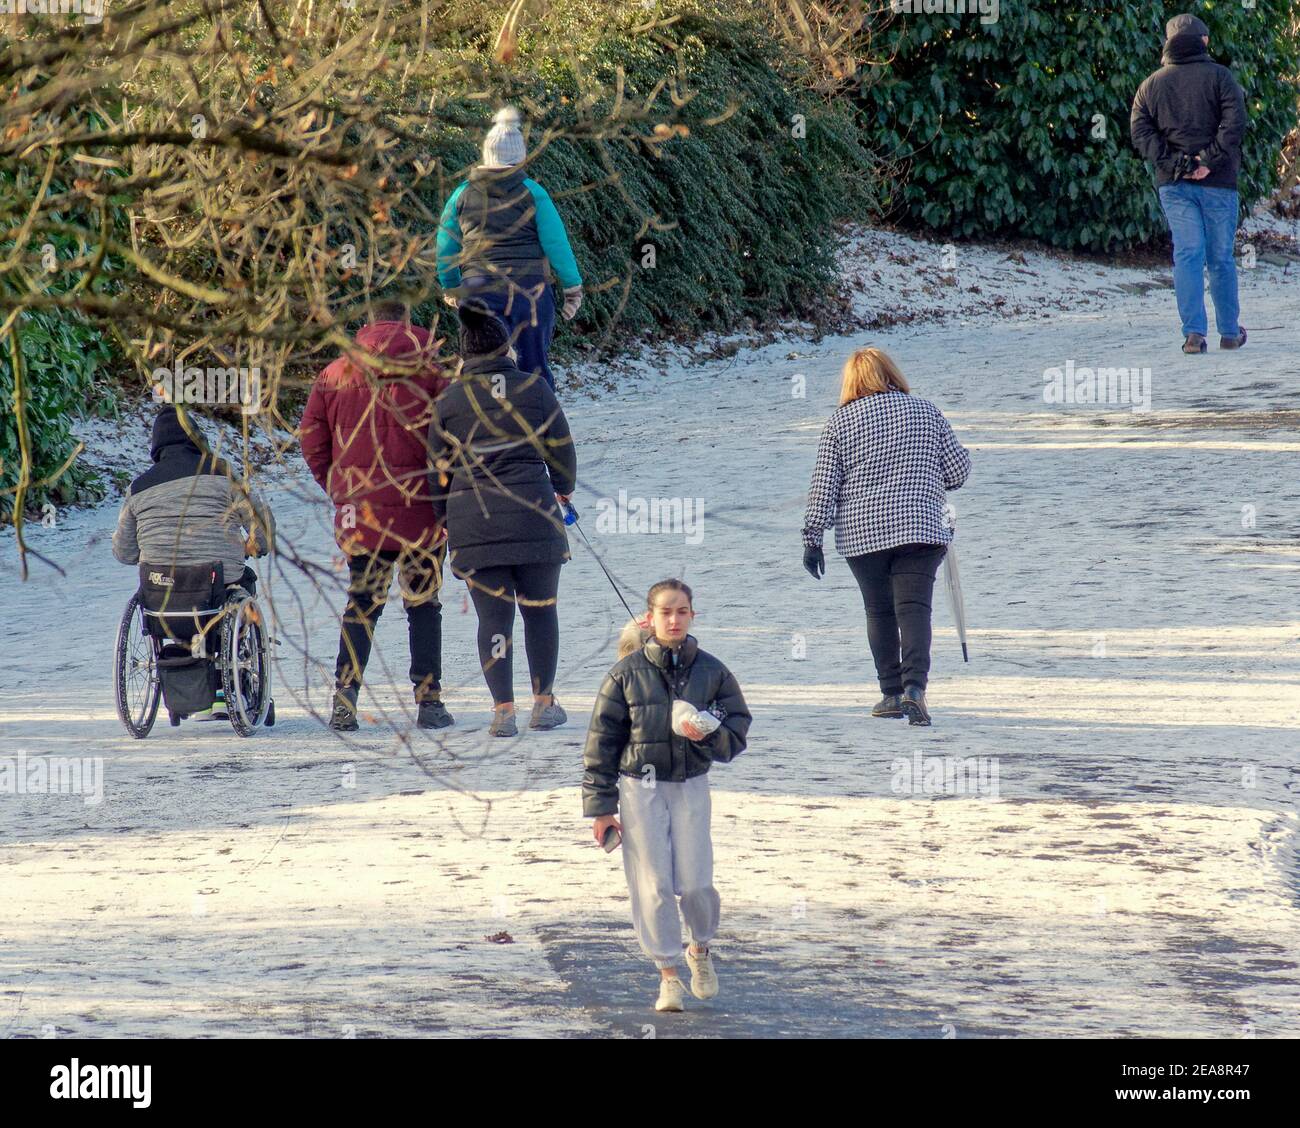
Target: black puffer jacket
632,724
1190,105
501,450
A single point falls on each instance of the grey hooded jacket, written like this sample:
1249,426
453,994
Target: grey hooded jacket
189,508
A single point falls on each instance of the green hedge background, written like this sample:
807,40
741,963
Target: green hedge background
992,122
997,118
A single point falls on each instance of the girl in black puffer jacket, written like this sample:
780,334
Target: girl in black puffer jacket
664,714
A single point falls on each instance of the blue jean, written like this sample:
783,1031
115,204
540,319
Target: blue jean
1204,225
527,306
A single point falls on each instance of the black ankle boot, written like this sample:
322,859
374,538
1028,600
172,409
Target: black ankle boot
891,705
914,705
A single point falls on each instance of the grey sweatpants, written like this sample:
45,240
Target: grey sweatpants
668,853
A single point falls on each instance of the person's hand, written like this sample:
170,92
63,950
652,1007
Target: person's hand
572,302
692,732
450,299
563,499
815,562
602,824
1200,174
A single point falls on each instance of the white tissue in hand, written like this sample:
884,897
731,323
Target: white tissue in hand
684,713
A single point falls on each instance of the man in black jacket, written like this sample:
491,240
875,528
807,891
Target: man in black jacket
1188,120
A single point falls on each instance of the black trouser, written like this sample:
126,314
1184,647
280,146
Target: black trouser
248,581
419,580
495,592
897,586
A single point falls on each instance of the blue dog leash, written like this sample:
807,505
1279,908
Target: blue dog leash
571,518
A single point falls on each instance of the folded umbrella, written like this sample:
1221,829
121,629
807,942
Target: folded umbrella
953,581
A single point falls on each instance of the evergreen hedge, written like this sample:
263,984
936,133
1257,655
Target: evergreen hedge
748,204
996,120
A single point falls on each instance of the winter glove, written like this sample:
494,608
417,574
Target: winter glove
815,562
572,302
684,713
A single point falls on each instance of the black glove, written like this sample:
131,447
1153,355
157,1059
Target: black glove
815,562
1184,165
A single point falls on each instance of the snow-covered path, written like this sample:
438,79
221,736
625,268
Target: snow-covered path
1131,582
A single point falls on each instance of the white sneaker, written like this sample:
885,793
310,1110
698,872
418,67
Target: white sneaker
672,993
704,980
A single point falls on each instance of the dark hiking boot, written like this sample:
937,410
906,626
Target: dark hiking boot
1195,343
891,705
434,715
344,717
1233,342
914,705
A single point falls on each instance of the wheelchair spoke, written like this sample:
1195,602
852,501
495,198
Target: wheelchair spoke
247,683
138,684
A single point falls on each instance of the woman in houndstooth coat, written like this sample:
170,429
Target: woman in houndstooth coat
884,465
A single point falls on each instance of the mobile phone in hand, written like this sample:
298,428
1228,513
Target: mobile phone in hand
611,839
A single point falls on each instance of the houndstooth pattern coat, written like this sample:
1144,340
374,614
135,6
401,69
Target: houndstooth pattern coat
884,465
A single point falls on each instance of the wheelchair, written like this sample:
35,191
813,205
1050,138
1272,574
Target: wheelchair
184,635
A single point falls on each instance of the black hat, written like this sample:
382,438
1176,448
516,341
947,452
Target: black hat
481,331
1185,24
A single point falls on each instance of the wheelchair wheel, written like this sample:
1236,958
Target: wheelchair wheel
245,665
137,686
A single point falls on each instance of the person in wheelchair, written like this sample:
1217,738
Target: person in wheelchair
187,517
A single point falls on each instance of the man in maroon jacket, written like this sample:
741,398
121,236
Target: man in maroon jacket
364,436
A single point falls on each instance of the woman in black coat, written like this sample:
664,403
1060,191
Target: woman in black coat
503,462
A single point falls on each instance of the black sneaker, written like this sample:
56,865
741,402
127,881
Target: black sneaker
913,704
1195,343
344,717
891,705
434,715
1233,342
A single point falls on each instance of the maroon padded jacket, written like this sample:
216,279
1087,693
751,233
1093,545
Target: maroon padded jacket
365,439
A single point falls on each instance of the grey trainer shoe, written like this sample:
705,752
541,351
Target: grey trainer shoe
503,724
547,716
344,717
434,715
